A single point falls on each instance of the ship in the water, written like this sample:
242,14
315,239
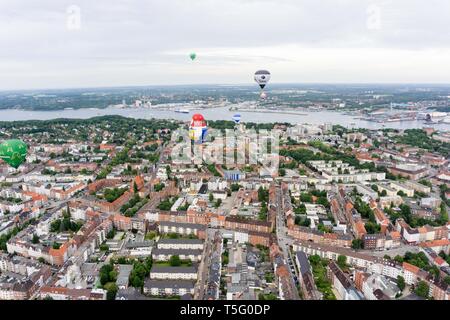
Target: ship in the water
182,111
436,117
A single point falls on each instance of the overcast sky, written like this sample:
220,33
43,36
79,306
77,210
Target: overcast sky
147,42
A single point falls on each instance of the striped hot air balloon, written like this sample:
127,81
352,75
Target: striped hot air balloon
237,118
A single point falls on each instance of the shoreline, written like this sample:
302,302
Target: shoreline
259,115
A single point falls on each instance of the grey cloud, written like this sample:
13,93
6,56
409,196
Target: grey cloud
142,32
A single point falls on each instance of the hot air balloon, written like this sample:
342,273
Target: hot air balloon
193,55
237,118
263,95
13,152
198,129
262,77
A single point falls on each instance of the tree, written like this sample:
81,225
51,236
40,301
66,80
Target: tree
111,290
357,244
372,228
376,143
68,213
105,274
113,276
306,197
401,283
401,193
323,201
301,209
306,222
138,274
225,258
148,262
314,259
35,239
263,195
422,289
111,234
425,183
211,197
175,261
405,210
235,187
150,235
173,235
269,277
268,296
218,203
262,215
104,277
323,228
444,214
342,261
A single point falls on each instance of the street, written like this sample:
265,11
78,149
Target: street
284,242
203,268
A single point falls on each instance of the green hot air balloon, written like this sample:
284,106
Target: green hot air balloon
193,55
13,152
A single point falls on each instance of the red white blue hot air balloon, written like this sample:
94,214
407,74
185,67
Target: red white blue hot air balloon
198,129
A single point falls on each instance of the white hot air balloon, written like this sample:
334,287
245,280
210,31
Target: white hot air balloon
262,77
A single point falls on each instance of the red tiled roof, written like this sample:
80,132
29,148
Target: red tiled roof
439,260
359,226
435,243
395,235
411,268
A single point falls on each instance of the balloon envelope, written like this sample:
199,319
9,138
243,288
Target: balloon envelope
13,152
193,55
263,95
262,77
198,129
237,118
